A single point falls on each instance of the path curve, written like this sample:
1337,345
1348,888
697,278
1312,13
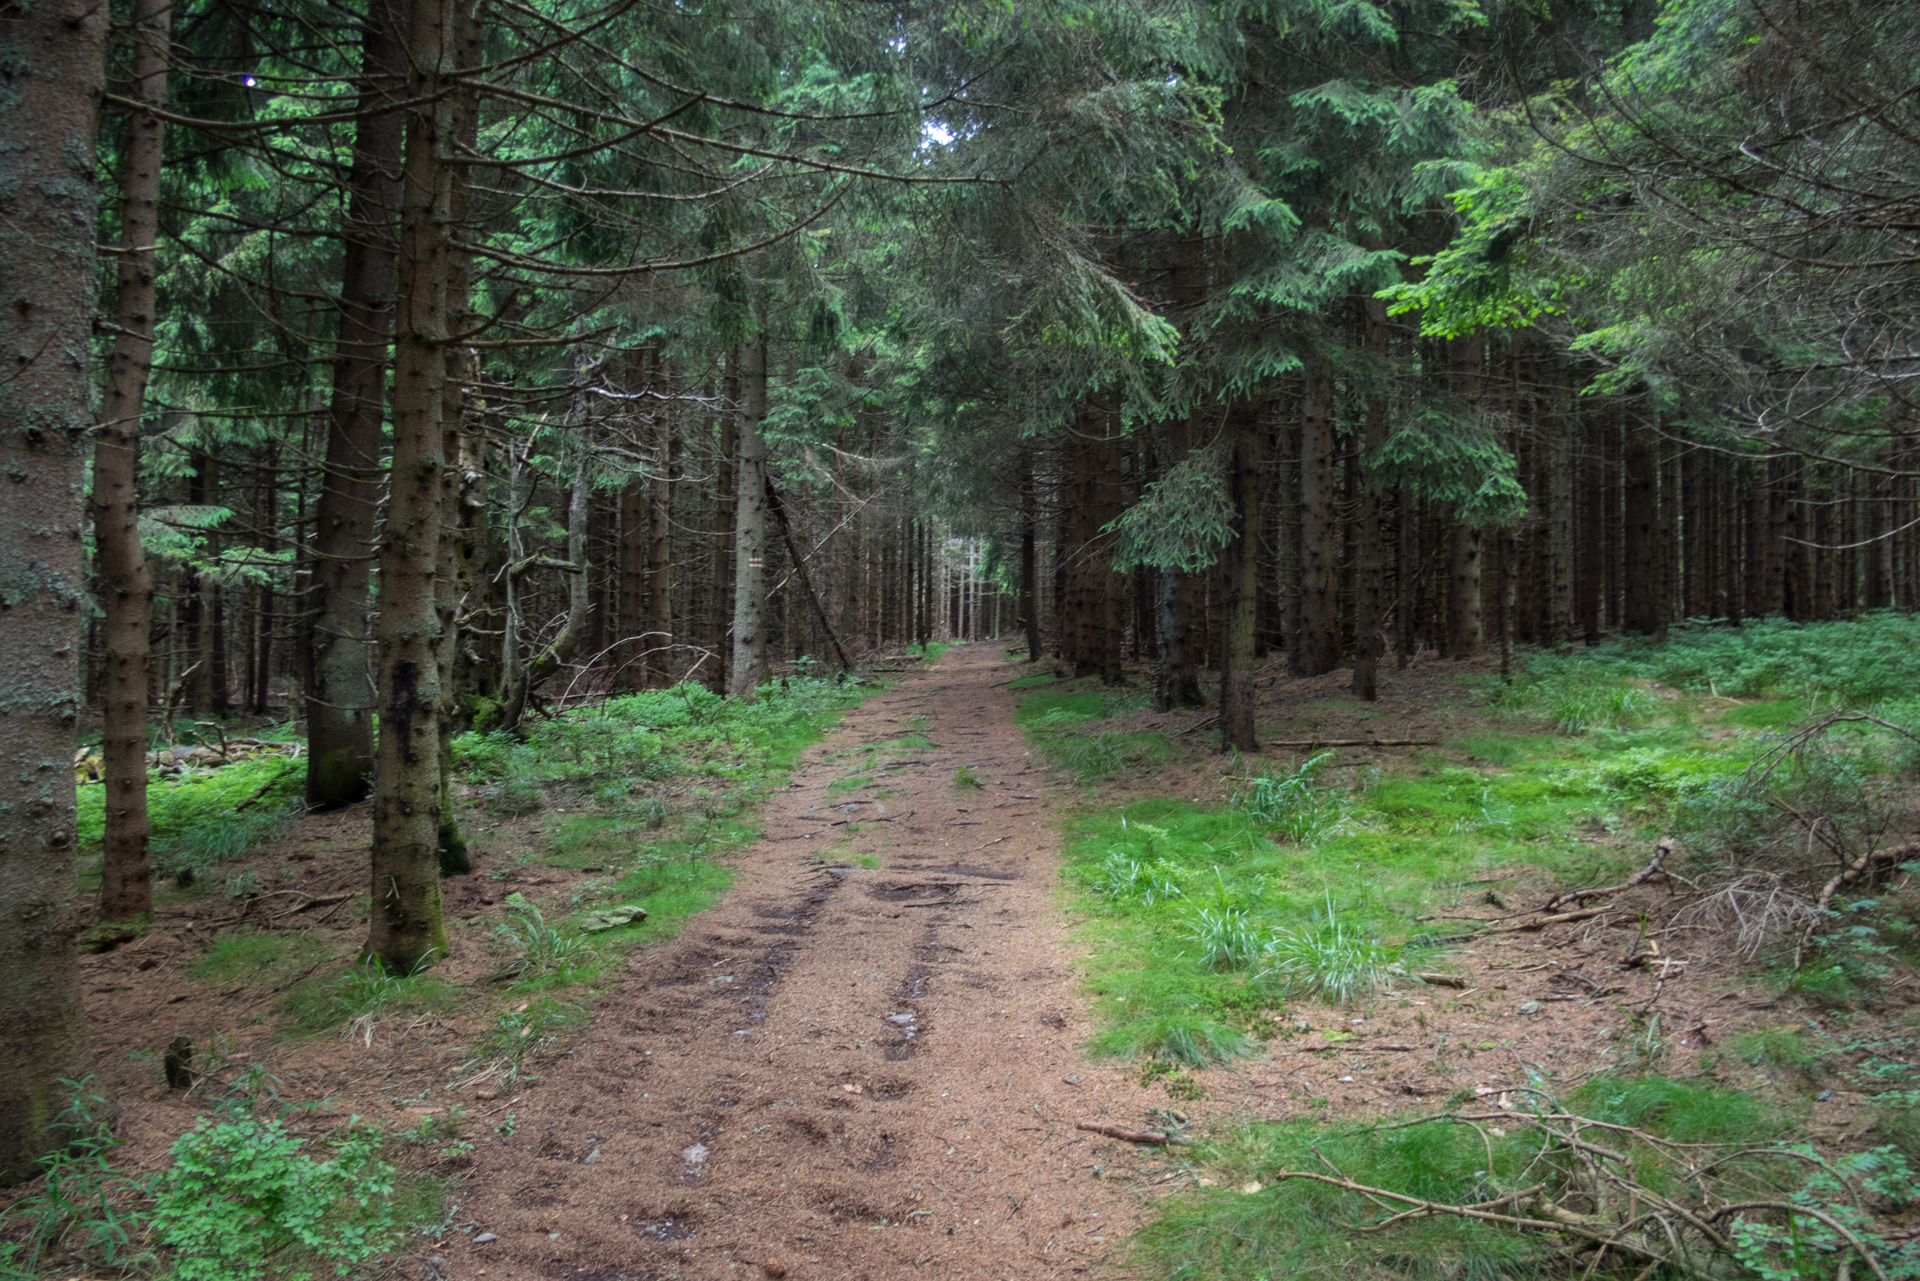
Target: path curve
840,1071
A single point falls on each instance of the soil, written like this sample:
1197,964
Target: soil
864,1062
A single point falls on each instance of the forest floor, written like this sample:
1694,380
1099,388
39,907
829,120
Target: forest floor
869,1058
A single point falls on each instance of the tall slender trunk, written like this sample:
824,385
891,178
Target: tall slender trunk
1029,606
340,695
126,879
1241,562
724,501
51,64
750,529
659,639
463,484
1370,570
1465,611
1316,648
407,929
1560,499
1641,535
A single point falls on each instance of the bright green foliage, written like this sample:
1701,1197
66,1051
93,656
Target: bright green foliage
1577,695
198,822
1063,721
1299,1228
543,949
1334,963
240,1191
1290,803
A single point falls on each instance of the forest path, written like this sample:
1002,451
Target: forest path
840,1071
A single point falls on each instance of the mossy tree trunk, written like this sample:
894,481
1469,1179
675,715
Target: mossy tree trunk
126,596
340,696
407,929
51,64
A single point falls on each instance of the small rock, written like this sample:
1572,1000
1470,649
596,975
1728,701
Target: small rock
1248,1189
438,1261
487,1095
485,1237
1205,1182
774,1268
695,1154
852,1089
1823,1096
591,1158
900,1020
1530,1007
1346,1078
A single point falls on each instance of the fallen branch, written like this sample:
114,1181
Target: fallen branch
1441,980
1151,1137
1311,744
1654,868
1845,877
320,901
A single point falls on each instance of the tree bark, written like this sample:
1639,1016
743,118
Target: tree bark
463,483
126,596
1560,499
1641,536
1370,570
340,695
51,65
659,638
1029,606
724,503
407,930
1316,646
1241,562
750,529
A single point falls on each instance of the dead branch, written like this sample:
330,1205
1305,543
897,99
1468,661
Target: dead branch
1844,877
1153,1137
1655,867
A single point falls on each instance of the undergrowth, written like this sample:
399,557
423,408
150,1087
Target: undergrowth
204,819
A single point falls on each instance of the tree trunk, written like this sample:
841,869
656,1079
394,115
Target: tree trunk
1029,607
407,930
750,530
51,63
724,503
463,483
1316,646
1370,569
340,695
659,638
1641,536
1241,561
1561,567
126,879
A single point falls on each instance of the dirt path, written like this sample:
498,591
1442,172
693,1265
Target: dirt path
841,1071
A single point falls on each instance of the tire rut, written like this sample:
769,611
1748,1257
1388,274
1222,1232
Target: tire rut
842,1071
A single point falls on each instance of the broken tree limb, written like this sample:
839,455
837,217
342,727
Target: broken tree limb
1309,744
1153,1137
1844,877
1655,867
